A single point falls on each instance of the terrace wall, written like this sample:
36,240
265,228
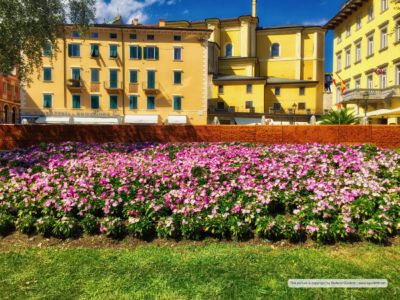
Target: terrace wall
14,136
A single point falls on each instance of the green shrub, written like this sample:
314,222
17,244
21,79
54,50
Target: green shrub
6,223
90,224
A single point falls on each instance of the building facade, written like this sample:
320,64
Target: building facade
9,99
367,58
122,74
274,72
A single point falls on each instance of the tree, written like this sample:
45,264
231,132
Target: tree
27,26
342,116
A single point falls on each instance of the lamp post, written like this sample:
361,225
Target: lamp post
365,96
294,107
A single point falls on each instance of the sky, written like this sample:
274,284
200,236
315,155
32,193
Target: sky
270,12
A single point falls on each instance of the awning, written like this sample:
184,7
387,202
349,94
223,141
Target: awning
53,120
177,120
142,119
103,121
248,121
382,112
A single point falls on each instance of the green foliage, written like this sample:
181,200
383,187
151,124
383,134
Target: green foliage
65,227
6,223
90,224
26,224
342,117
45,225
27,26
113,227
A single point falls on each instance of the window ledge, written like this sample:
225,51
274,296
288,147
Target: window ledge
178,60
357,62
348,67
369,56
396,42
383,49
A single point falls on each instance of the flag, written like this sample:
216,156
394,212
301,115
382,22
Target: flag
342,87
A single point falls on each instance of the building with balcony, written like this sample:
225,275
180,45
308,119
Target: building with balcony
122,74
9,99
367,59
277,72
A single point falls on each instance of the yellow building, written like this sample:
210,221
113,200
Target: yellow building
122,74
367,58
274,72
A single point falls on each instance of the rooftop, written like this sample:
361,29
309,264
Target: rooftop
347,9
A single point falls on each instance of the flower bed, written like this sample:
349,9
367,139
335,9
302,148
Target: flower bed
324,192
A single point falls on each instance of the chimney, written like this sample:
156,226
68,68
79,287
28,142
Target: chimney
254,11
135,22
161,23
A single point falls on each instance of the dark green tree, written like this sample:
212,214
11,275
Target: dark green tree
341,116
27,26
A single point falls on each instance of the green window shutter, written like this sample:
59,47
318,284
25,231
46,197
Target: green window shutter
95,103
133,76
145,52
131,52
47,101
139,52
133,102
177,103
47,74
69,50
177,77
157,55
76,101
113,102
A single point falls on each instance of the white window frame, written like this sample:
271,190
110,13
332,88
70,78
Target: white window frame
339,37
348,57
383,79
173,53
348,30
371,14
358,22
384,5
397,74
370,81
397,30
339,61
357,83
384,37
358,53
370,45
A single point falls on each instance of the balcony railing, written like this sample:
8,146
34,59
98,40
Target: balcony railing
95,87
235,109
371,94
151,88
113,86
75,84
133,88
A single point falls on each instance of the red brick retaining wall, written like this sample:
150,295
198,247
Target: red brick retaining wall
14,136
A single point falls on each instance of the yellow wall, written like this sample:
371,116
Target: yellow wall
389,56
193,65
290,95
235,95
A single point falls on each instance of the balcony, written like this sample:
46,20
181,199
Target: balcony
151,88
75,85
235,110
133,88
95,87
113,87
371,94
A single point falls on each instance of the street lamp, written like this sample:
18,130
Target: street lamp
365,96
294,107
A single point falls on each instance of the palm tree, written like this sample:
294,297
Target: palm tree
341,117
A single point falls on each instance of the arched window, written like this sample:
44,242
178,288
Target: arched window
275,50
229,50
5,114
14,116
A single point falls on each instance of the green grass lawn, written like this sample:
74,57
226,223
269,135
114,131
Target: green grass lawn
204,270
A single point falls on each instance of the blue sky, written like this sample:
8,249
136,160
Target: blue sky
271,13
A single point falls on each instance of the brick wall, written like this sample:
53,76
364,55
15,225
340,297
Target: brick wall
14,136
